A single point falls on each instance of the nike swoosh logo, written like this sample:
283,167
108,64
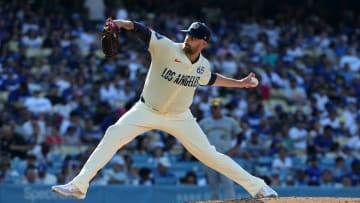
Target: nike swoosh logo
177,60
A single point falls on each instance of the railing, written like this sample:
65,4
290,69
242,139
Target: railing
159,194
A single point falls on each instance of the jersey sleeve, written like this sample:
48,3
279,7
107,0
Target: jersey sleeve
142,32
158,44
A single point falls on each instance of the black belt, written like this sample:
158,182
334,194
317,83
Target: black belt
143,101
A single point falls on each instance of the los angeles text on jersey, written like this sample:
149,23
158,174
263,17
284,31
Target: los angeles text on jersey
179,79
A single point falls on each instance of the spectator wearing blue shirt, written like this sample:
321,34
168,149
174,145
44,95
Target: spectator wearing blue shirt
324,141
354,175
313,171
17,96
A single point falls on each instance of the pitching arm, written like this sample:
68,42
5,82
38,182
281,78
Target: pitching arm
223,81
140,30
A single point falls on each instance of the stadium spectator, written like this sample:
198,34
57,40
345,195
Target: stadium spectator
283,161
13,144
30,176
162,169
44,177
190,178
324,141
117,173
70,136
7,173
327,178
299,135
37,103
313,171
53,136
145,177
91,134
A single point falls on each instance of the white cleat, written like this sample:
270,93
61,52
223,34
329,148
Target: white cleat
68,190
266,191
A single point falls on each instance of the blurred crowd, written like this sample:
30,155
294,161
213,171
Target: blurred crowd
58,94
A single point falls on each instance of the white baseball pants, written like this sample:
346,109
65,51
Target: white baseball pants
141,118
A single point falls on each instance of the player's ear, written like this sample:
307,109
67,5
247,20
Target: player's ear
203,43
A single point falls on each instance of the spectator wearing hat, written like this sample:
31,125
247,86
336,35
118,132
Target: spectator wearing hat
163,169
44,177
223,132
117,173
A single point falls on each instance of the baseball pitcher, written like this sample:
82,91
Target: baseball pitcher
176,70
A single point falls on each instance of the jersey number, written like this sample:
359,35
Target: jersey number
158,36
200,69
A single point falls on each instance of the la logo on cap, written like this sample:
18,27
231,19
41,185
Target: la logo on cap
195,25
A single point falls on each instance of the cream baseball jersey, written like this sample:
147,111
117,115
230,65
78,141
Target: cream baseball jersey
172,78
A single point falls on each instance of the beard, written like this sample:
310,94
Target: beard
188,49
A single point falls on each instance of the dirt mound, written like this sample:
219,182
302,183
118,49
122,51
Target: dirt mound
289,200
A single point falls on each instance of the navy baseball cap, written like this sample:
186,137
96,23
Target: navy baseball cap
198,30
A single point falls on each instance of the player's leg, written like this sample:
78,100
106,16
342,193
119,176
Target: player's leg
195,141
213,181
123,131
228,187
115,137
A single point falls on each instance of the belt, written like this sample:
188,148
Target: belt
143,101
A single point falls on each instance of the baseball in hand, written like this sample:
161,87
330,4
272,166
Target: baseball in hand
254,82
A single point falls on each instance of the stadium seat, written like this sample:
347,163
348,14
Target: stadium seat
166,181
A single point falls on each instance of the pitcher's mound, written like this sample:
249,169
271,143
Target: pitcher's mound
289,200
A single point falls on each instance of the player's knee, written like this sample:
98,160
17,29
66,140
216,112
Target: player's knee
210,154
112,130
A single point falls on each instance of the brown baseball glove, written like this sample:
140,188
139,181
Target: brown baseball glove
109,39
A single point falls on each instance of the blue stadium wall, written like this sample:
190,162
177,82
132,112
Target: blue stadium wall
156,194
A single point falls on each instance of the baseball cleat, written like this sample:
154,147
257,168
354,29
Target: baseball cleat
266,191
68,190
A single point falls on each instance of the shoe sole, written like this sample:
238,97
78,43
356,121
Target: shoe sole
57,191
272,196
268,196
